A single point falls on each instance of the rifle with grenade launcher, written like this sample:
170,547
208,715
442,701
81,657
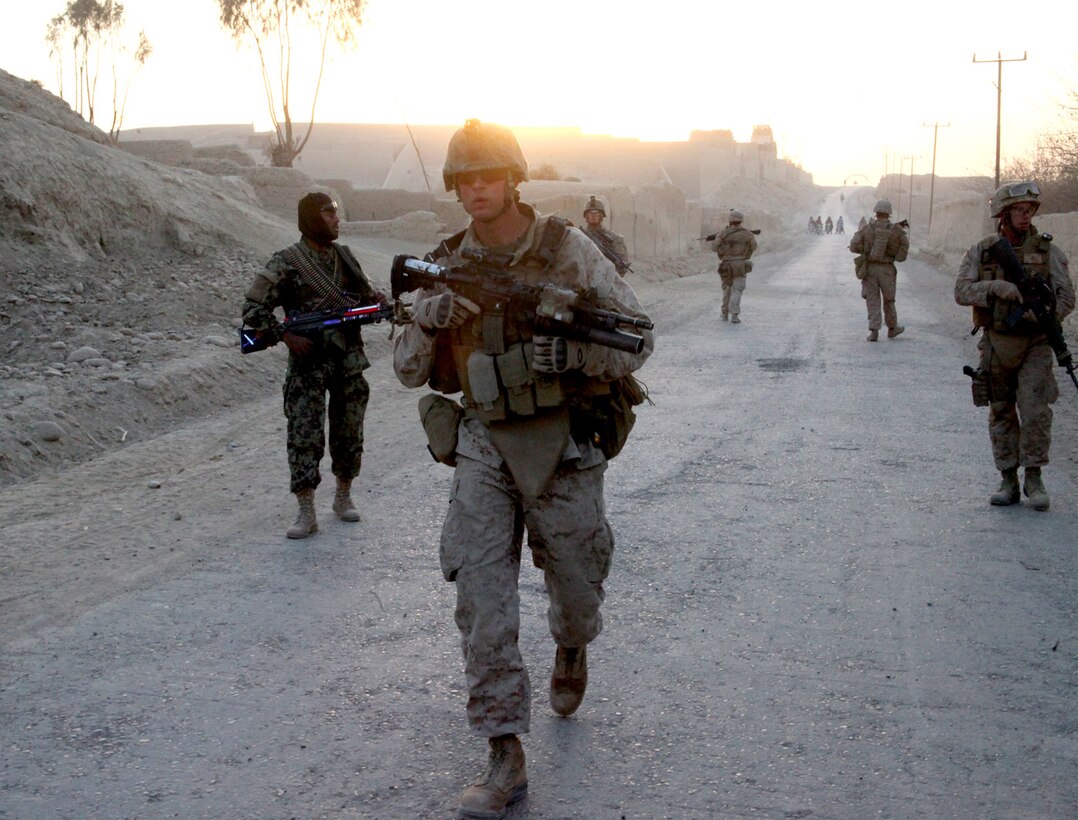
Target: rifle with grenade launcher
550,309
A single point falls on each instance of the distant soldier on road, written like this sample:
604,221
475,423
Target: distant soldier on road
734,245
883,243
1016,361
611,244
317,273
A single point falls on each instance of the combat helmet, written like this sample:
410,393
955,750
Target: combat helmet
595,204
481,146
883,206
1012,194
736,216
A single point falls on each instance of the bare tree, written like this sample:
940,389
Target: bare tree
270,25
93,30
1054,162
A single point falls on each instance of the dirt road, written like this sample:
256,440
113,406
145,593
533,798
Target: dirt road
812,612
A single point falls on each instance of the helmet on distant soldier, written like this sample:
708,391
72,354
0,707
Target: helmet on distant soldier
480,146
736,216
595,204
1012,194
883,206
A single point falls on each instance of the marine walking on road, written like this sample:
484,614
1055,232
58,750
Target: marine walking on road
735,245
527,443
1003,277
879,245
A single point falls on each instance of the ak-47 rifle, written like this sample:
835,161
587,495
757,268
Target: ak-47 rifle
711,236
1038,297
315,321
550,309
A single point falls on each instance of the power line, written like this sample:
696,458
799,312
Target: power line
999,60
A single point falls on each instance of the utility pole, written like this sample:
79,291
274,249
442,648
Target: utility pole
901,171
909,211
936,126
1000,60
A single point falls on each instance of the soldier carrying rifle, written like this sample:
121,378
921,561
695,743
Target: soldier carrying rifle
317,273
1015,378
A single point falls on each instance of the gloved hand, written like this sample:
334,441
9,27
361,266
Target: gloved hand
556,354
446,310
1002,289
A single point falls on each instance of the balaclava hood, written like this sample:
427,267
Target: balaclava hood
311,224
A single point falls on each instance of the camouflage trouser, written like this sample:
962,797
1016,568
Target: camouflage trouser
481,544
340,373
879,281
1023,388
732,288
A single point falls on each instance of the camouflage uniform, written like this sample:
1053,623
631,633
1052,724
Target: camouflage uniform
734,245
884,243
614,241
336,366
491,506
1018,360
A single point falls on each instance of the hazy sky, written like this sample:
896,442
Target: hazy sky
843,86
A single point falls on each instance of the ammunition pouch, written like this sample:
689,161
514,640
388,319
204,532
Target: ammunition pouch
441,418
860,265
607,418
502,387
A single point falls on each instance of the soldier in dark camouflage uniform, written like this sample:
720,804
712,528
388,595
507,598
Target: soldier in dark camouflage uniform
316,273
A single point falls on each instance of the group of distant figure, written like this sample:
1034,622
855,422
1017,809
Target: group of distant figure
819,226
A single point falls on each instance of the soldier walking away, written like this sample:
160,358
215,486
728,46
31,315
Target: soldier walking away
883,243
611,244
523,449
1015,371
839,228
317,273
734,245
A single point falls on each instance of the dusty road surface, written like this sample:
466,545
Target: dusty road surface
813,611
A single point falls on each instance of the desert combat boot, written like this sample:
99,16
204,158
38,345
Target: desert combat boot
342,501
306,524
505,782
1007,493
873,335
568,680
897,330
1034,489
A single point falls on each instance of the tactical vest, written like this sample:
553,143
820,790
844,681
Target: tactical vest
1033,253
489,357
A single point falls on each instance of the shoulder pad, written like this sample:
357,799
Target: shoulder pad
553,233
